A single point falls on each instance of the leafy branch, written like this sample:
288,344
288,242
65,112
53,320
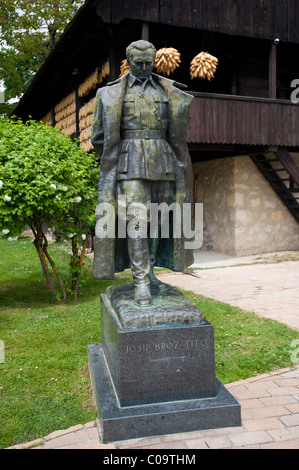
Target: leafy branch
46,178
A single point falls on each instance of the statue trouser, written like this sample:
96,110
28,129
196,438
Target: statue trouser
142,236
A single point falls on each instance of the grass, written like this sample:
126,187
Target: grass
44,382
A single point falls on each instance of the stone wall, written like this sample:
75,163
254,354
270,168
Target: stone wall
214,183
242,213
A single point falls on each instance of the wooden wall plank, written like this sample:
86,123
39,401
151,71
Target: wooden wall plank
103,9
146,10
199,16
225,119
264,19
293,21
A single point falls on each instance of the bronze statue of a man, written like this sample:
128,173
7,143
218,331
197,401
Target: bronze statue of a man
139,132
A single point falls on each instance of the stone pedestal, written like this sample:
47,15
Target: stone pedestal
156,378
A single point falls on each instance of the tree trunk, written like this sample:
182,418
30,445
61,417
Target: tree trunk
38,243
76,286
54,267
75,259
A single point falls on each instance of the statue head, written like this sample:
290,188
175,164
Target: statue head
141,57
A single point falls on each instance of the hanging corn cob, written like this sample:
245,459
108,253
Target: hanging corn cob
167,60
204,65
124,68
86,116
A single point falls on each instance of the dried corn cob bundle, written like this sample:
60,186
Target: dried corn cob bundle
90,83
167,60
87,109
124,68
65,112
85,141
85,123
87,146
65,102
95,79
66,122
47,119
203,65
85,134
70,130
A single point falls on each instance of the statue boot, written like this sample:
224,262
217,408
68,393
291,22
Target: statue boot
140,265
155,283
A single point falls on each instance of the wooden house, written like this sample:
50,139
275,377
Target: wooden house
244,125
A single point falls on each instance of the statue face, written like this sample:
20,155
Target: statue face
141,63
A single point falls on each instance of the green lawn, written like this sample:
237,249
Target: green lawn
44,381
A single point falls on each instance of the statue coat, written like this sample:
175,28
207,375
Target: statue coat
110,254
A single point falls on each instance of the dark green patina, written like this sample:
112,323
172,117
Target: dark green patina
139,133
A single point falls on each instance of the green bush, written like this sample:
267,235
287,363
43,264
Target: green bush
46,178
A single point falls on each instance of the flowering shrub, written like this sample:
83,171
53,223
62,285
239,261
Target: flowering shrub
45,177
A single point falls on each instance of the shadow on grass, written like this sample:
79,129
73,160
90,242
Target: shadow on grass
33,293
23,285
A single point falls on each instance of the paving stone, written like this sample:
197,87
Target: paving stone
69,439
218,442
252,403
287,433
291,420
293,408
270,411
294,444
246,395
93,433
250,437
183,436
262,424
282,391
197,444
278,400
285,382
136,443
263,384
62,432
167,445
92,445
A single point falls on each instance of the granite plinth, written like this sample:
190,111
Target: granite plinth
153,380
121,423
161,363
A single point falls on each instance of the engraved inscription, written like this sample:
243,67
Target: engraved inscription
186,345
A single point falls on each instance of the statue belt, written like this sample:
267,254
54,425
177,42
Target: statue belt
143,134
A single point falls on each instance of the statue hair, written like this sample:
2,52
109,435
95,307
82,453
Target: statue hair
140,46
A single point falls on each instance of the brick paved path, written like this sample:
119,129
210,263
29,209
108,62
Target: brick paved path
269,290
270,420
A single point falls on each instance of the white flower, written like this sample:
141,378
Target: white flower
1,183
11,239
53,186
7,198
83,236
64,188
58,198
5,231
71,235
78,199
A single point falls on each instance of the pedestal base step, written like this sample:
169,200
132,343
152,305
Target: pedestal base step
132,422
